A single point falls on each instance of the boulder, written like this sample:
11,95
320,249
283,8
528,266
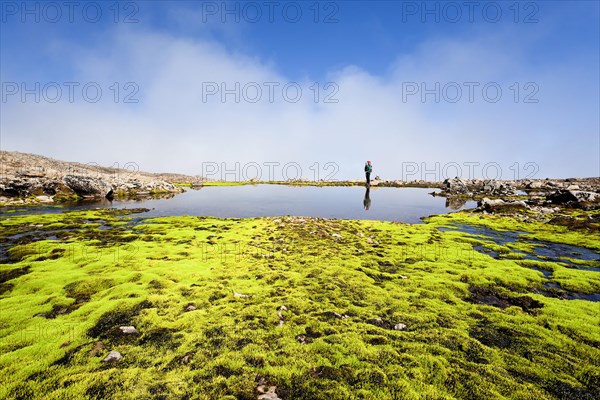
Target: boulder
499,205
456,185
86,186
497,188
575,198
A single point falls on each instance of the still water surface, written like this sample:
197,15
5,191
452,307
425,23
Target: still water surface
385,204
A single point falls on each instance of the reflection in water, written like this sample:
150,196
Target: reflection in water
455,203
367,200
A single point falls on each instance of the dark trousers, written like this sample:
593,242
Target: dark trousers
368,177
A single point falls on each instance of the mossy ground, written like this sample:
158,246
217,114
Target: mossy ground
75,277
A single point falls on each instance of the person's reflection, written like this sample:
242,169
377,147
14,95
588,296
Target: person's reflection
367,200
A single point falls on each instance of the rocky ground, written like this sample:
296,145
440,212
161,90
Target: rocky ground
30,178
540,200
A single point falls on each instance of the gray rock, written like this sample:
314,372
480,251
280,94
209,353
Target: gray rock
86,186
113,356
129,330
499,205
573,197
399,327
456,185
497,188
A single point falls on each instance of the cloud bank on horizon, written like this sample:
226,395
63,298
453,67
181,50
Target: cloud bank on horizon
422,95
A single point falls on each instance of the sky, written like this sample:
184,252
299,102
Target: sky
306,89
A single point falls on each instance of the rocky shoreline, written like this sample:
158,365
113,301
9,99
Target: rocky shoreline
33,179
539,200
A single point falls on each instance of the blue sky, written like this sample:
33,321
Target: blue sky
544,57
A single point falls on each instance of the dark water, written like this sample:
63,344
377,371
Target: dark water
542,251
386,204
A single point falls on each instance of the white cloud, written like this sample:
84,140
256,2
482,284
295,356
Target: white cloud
172,129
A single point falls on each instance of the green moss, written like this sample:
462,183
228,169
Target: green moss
66,298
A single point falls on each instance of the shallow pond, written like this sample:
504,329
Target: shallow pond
385,204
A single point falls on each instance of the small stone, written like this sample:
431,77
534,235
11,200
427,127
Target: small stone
241,295
336,235
129,330
191,307
113,356
399,327
403,277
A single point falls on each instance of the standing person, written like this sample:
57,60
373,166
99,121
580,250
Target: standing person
368,169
